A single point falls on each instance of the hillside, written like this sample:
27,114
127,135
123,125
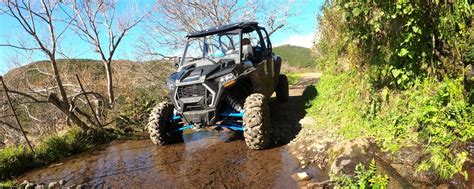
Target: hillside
295,56
137,84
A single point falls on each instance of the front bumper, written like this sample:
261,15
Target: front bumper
199,117
196,103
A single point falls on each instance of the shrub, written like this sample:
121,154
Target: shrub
133,112
394,71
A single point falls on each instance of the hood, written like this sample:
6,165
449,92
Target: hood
192,73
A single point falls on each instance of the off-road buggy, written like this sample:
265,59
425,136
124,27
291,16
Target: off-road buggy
224,79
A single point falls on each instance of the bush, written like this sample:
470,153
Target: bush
133,111
385,79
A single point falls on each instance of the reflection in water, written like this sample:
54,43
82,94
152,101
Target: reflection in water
203,160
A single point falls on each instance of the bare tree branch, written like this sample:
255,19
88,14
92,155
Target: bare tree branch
37,19
87,17
174,19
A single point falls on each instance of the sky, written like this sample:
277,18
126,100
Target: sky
302,32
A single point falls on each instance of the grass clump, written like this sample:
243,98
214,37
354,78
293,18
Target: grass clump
363,178
16,160
7,184
293,79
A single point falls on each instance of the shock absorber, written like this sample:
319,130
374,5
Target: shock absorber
232,101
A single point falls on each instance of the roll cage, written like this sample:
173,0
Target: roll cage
236,28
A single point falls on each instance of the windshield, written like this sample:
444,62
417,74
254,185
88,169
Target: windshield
212,48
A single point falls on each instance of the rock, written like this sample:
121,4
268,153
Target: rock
24,183
53,185
444,186
303,176
301,147
345,155
300,157
40,186
80,186
61,182
30,186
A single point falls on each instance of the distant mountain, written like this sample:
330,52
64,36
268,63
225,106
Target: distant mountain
295,56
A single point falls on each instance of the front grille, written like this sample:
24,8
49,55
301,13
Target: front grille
193,107
196,90
191,91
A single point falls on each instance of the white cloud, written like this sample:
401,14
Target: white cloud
299,40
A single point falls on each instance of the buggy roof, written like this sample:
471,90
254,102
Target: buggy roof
245,26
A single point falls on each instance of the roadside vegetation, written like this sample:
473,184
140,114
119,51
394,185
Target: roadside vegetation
16,160
399,72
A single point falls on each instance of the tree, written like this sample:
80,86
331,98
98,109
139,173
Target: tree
39,22
90,18
174,19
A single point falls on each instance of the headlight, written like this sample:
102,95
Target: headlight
170,84
224,79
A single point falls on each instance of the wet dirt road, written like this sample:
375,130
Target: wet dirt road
204,160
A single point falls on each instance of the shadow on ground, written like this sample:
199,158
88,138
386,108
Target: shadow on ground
286,116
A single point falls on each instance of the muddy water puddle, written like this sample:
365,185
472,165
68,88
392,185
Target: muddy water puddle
204,160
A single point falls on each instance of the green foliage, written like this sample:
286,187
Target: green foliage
293,79
133,112
433,114
363,178
15,160
406,39
394,71
295,56
338,103
7,184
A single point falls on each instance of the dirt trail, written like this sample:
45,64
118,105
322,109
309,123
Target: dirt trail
205,159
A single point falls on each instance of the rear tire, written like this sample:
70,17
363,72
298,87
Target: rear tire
282,92
161,128
256,122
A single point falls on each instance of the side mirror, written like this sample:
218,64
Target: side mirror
176,61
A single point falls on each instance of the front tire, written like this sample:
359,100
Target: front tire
282,91
160,126
256,122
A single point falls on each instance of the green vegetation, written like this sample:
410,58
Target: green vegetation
7,184
15,160
293,79
133,114
295,56
363,178
395,71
